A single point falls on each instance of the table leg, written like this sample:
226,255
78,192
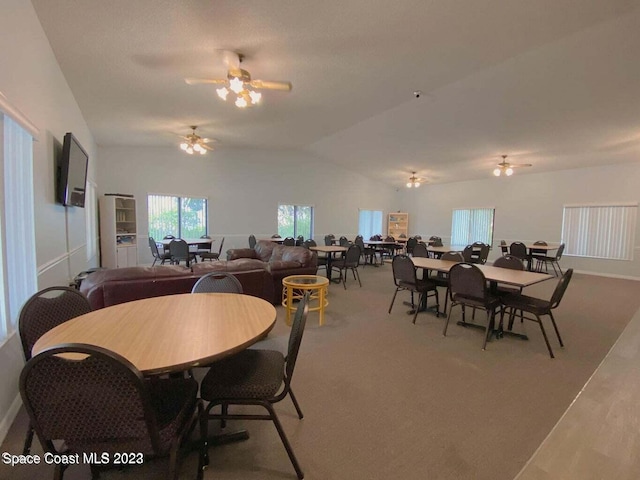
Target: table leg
289,303
321,296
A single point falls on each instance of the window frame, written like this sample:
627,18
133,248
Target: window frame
469,240
295,218
180,199
372,210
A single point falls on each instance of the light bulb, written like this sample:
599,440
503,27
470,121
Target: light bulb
202,151
241,102
255,96
409,184
236,85
416,184
184,145
222,93
189,150
509,171
497,172
197,147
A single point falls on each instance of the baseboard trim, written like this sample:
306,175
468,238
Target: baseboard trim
607,275
7,421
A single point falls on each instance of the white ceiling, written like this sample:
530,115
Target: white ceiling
555,83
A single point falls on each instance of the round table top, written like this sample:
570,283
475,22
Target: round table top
170,333
305,281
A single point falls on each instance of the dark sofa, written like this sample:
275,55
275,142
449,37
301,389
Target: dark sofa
118,285
281,261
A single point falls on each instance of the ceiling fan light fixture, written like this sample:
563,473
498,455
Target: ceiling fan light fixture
241,102
194,143
497,172
509,171
414,182
222,93
255,97
236,85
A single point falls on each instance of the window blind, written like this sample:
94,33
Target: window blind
369,223
472,225
599,231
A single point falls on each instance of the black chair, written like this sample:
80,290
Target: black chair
299,240
479,253
289,242
349,261
553,260
179,251
328,240
344,241
43,311
102,403
405,278
163,257
468,288
204,247
275,235
441,279
254,377
519,249
213,255
504,247
420,250
435,241
252,241
411,243
467,254
538,307
217,282
366,252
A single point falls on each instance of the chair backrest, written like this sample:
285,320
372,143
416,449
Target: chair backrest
402,235
467,280
275,235
560,252
467,253
452,257
289,242
359,241
420,250
539,251
179,250
389,238
328,240
504,247
561,287
403,270
518,249
220,249
435,241
217,282
309,242
89,403
344,241
47,309
352,257
252,240
168,237
411,243
295,337
375,238
510,262
154,248
483,253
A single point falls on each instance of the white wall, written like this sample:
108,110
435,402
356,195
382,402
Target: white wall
244,188
31,80
529,207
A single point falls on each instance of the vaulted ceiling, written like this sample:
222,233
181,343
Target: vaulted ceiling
554,83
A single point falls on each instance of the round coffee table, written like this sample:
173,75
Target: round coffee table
294,288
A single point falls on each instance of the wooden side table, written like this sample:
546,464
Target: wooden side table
295,286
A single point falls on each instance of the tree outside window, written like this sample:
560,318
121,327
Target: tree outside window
182,217
295,220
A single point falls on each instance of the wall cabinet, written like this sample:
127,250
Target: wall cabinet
118,231
398,225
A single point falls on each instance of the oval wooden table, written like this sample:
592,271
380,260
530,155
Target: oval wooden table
171,333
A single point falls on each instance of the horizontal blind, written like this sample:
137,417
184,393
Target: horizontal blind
600,231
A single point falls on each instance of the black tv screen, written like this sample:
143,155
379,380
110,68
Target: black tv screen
73,172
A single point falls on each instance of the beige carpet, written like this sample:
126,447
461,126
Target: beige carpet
385,399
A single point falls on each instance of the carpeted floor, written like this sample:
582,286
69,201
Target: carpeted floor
385,399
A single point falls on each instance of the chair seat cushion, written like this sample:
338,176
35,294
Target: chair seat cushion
422,285
489,303
248,374
537,306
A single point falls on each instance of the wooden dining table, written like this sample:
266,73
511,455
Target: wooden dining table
330,250
172,333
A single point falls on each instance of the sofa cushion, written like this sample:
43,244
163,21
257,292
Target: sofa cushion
235,253
264,249
239,265
282,265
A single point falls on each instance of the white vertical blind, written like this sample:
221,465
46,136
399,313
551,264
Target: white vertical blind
369,223
472,225
17,231
600,231
91,221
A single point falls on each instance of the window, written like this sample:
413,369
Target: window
472,225
294,220
369,223
91,208
182,217
599,231
18,277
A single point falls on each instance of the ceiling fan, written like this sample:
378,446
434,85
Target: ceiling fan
506,168
414,182
239,82
194,143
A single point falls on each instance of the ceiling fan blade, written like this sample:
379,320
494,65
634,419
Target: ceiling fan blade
517,165
200,81
271,85
206,147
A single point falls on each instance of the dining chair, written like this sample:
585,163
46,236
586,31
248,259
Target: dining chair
43,311
349,261
155,252
551,260
102,403
504,247
299,240
213,255
217,282
537,307
467,254
275,235
256,377
406,278
468,288
179,251
204,247
365,252
420,250
289,242
479,252
328,240
252,241
411,243
441,279
519,249
435,241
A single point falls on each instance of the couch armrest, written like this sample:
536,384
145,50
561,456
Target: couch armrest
235,253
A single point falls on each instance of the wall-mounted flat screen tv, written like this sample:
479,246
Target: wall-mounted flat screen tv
72,178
